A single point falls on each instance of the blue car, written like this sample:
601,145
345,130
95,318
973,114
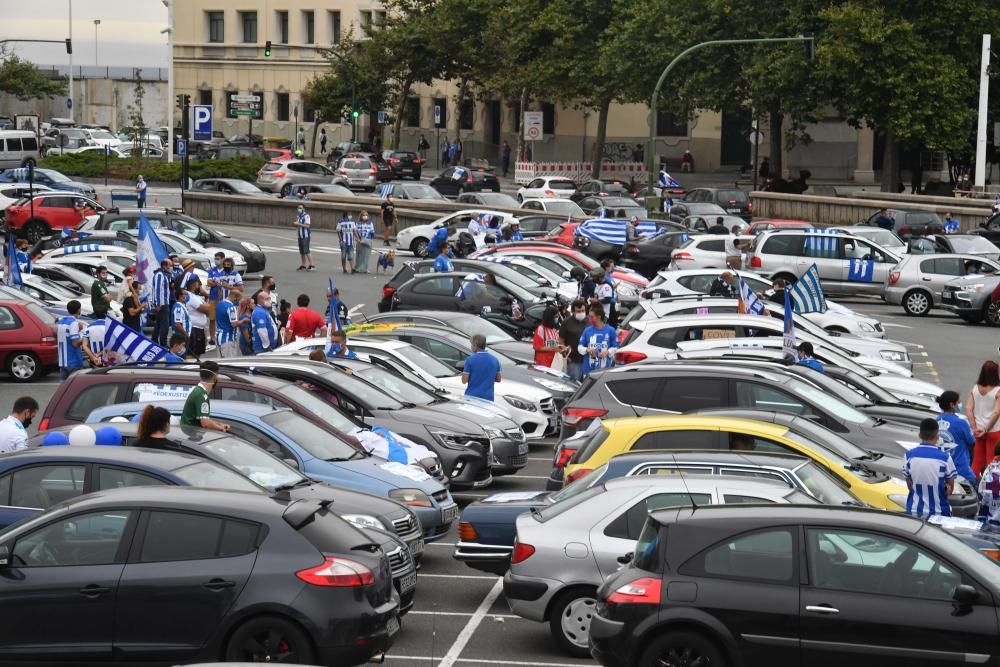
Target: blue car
49,178
322,456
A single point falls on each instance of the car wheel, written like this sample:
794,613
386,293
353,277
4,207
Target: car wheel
681,648
286,189
35,231
569,620
269,639
419,247
24,366
993,314
917,302
972,318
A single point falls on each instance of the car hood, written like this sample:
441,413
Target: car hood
347,501
395,474
888,437
516,349
433,418
544,378
909,387
867,346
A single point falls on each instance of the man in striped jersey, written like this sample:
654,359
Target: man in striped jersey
930,474
303,223
69,341
93,342
181,320
227,323
160,301
348,231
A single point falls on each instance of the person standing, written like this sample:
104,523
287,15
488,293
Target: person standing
304,322
734,250
366,234
930,474
422,147
546,340
268,290
884,220
140,192
93,342
982,408
951,225
569,339
955,435
23,256
13,428
719,227
598,342
453,153
180,319
586,286
160,301
639,154
666,202
198,408
505,158
439,239
215,293
764,170
197,311
687,163
100,298
322,141
481,371
230,278
265,331
608,291
228,324
388,219
443,149
303,223
442,264
69,341
348,232
300,140
132,310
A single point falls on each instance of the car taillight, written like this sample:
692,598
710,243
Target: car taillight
573,416
563,457
374,171
641,591
903,231
393,160
388,291
680,255
521,553
628,357
466,532
750,207
418,161
278,174
337,572
575,475
44,424
468,179
48,339
549,193
894,277
756,263
622,335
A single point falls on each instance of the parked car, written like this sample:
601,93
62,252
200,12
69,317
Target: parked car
611,206
57,297
303,191
414,191
566,207
969,297
989,230
454,181
697,281
345,147
228,186
149,152
702,223
965,244
550,583
383,173
487,199
705,251
356,172
403,163
598,238
234,151
27,340
648,255
36,217
909,222
917,281
681,210
278,154
18,148
416,237
733,200
882,237
768,224
11,193
547,187
281,177
602,188
190,583
562,233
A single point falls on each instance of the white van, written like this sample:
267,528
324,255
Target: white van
18,148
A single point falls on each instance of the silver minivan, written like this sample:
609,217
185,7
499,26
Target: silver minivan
847,264
18,148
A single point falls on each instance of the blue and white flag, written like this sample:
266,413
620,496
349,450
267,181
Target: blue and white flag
150,252
668,181
822,243
614,231
123,345
788,340
749,303
70,233
385,190
78,249
807,293
397,450
468,281
11,270
861,271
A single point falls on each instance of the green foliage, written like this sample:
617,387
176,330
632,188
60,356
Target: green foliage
91,165
24,81
359,71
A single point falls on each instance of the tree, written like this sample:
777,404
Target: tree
24,81
135,123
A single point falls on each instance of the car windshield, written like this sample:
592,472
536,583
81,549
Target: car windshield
562,185
312,403
402,390
425,362
883,237
498,199
101,134
209,475
563,207
243,186
578,485
53,175
471,326
422,192
811,435
321,444
364,391
972,244
824,487
55,290
820,398
733,196
253,462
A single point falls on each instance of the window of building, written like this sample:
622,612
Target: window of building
670,125
283,106
249,22
309,27
281,20
443,103
548,118
335,27
205,97
468,114
216,27
366,22
411,112
308,113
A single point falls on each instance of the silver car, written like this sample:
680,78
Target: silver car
565,551
281,177
357,172
706,251
883,237
917,281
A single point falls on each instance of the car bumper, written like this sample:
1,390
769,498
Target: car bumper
610,645
492,558
352,632
964,303
529,597
268,186
436,521
508,456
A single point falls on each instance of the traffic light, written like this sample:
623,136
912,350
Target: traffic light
187,101
355,113
183,101
267,49
69,46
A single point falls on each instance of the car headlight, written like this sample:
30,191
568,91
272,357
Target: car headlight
520,404
494,433
450,439
411,497
899,499
363,521
892,355
554,386
864,326
252,247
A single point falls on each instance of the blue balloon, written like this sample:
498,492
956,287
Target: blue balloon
109,436
55,438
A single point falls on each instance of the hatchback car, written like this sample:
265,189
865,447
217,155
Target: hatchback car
705,251
971,298
796,586
602,188
228,186
454,181
413,192
733,200
882,237
547,187
416,237
910,222
175,574
769,224
281,177
649,255
917,282
357,173
403,163
345,147
28,347
966,244
566,207
612,206
681,210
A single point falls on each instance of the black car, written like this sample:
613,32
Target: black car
403,163
910,222
345,147
990,230
796,585
178,574
415,191
453,181
601,249
733,200
194,229
649,255
599,188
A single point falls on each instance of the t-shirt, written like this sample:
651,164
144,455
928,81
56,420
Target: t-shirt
545,343
928,467
483,369
196,406
388,213
346,228
95,336
604,338
226,321
810,362
570,332
199,320
443,265
181,318
12,435
67,333
366,230
265,334
98,290
303,323
731,249
304,219
231,280
955,437
717,229
215,273
131,321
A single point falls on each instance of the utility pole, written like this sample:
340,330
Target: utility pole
984,94
72,111
184,102
97,62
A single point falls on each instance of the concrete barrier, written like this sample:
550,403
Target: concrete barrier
834,211
912,201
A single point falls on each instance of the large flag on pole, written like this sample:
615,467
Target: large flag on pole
807,293
149,253
11,269
749,303
788,340
123,345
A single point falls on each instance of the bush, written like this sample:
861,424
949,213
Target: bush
91,165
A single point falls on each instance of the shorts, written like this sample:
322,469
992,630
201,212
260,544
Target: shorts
304,245
348,252
196,342
734,262
211,310
229,350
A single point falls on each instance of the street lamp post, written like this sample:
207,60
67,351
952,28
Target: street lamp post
97,22
72,111
169,30
651,145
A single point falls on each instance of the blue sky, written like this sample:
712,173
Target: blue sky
129,34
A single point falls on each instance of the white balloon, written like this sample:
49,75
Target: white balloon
119,420
82,436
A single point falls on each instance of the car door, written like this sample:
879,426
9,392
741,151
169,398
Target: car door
184,572
935,272
533,206
866,268
444,183
533,189
433,293
60,587
825,251
876,600
13,333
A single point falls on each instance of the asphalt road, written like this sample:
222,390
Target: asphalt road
460,617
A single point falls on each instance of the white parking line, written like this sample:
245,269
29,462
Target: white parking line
451,657
462,576
485,661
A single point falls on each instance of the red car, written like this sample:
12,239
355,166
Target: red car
563,234
574,256
27,340
277,155
50,211
759,226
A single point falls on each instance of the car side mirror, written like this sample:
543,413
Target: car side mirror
627,558
964,596
4,556
460,365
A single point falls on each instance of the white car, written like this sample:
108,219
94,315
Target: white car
12,192
650,339
55,294
416,238
537,273
112,152
187,248
111,256
704,251
554,205
104,138
547,187
530,407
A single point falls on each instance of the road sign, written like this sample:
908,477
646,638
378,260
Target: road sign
381,118
756,138
246,106
202,125
437,115
69,102
533,124
182,148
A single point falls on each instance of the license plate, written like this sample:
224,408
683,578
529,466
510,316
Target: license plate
522,448
392,626
449,513
416,548
732,210
408,582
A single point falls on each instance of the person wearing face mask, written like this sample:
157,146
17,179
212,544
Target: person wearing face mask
13,429
598,343
197,407
265,331
569,338
268,289
179,316
214,292
178,345
366,234
100,297
228,325
303,224
348,231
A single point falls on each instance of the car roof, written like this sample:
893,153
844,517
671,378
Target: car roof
188,369
749,517
714,457
692,422
218,407
697,482
707,319
165,460
687,367
237,503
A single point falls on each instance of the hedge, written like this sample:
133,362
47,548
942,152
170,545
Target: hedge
91,165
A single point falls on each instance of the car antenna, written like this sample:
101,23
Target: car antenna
687,490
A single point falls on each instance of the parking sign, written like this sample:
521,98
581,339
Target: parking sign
202,126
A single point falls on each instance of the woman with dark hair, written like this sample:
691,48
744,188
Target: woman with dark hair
546,341
983,409
154,425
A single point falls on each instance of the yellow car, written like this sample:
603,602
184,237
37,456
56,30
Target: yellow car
617,436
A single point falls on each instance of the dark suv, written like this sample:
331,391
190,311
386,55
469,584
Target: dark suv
403,163
733,586
453,181
733,200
